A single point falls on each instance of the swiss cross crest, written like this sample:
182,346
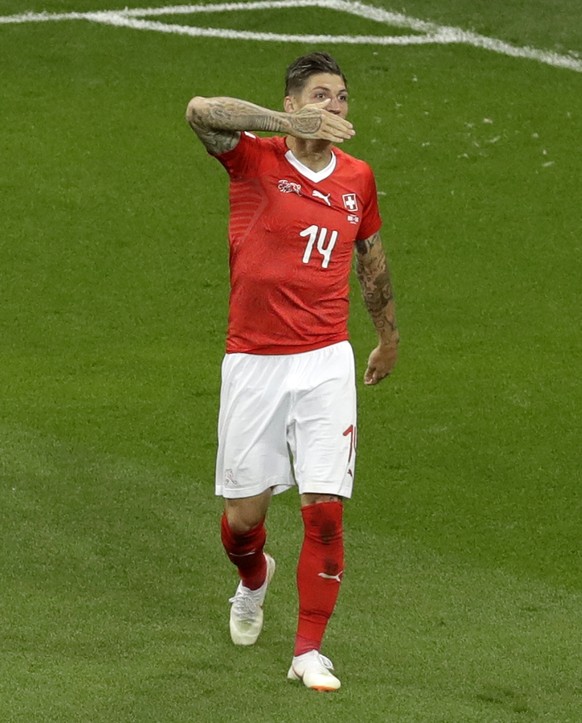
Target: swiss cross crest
350,201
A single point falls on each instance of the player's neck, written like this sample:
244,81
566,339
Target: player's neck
314,154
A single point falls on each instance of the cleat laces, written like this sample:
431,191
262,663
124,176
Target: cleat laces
245,605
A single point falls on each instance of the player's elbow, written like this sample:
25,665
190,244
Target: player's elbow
196,111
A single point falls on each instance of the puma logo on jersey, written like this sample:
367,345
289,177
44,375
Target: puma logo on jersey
323,196
331,577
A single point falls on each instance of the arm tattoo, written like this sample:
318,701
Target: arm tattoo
374,277
365,245
217,142
219,121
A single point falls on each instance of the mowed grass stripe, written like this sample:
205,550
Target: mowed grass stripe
461,594
108,601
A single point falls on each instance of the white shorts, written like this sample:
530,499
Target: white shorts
286,420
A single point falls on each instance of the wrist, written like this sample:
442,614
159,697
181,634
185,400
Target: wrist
284,121
390,339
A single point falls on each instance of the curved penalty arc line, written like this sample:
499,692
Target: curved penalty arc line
429,32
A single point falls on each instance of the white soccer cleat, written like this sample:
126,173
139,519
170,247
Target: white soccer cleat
246,612
314,670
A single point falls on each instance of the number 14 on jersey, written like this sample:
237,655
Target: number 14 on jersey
316,238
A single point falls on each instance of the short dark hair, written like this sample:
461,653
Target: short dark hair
307,65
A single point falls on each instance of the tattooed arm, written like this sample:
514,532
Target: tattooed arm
374,277
218,122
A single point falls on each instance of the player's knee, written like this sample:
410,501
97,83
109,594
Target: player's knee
323,523
310,498
243,519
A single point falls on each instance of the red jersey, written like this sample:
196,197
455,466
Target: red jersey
292,233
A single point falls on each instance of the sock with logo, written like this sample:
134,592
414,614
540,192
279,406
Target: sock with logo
319,572
245,550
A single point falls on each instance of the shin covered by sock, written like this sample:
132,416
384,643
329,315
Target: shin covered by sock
245,550
319,572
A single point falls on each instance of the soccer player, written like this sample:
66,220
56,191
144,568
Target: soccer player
298,207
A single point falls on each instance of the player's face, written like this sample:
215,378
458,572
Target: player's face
321,87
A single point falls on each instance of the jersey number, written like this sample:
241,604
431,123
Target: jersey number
318,235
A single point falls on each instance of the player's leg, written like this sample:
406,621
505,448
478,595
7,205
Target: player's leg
252,459
243,535
319,575
324,457
320,568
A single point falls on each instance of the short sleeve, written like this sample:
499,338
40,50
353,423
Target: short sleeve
371,220
243,161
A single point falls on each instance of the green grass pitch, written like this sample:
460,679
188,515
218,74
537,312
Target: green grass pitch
462,599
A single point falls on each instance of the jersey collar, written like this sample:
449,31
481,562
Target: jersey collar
314,176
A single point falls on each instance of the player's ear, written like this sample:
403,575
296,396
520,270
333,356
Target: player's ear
289,104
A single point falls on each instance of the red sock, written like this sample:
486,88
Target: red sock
321,564
246,552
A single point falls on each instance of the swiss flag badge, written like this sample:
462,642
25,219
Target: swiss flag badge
350,202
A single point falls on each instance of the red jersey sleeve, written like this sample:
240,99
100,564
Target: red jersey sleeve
244,160
371,221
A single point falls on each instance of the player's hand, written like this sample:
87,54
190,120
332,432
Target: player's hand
381,362
314,121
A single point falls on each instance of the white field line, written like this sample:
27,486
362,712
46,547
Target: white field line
195,32
429,32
